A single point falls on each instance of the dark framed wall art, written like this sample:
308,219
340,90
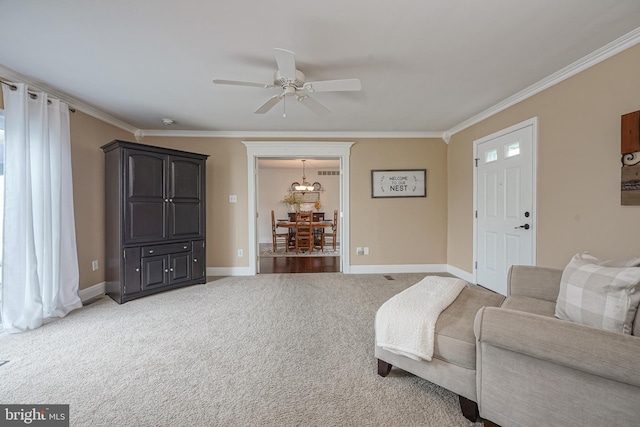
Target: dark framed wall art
398,183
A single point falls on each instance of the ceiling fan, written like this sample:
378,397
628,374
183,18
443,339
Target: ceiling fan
292,83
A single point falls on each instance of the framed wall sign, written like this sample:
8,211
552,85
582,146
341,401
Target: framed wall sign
399,183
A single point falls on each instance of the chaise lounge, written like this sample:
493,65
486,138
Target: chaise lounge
453,365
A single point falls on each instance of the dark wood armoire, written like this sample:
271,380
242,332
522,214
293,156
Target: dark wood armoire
155,219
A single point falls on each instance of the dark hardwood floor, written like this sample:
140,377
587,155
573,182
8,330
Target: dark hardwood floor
310,264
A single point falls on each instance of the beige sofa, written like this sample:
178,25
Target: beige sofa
525,367
536,370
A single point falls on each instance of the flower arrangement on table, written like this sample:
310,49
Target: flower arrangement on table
293,200
318,205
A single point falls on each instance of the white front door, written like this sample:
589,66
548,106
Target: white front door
505,204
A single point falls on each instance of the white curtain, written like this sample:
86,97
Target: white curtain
39,264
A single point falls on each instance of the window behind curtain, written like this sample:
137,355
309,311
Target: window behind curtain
1,198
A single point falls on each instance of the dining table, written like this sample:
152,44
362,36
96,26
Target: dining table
317,226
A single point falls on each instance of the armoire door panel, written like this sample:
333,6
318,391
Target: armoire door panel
198,262
179,267
146,174
184,182
132,273
146,221
186,219
154,272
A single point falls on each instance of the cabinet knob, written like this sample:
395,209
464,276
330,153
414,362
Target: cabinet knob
166,200
171,200
185,247
195,260
151,251
171,269
137,270
166,271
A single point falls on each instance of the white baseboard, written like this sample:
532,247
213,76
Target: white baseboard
100,288
398,268
360,269
92,291
230,271
461,274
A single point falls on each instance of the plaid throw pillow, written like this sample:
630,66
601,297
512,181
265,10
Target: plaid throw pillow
599,296
633,262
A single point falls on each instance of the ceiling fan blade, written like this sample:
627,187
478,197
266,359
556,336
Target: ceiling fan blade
286,63
269,104
242,83
333,85
313,105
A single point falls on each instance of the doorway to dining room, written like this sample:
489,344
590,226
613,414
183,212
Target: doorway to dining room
256,150
279,196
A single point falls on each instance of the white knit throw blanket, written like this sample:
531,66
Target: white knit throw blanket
405,324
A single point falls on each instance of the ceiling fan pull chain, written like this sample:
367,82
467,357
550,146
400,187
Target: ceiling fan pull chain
284,106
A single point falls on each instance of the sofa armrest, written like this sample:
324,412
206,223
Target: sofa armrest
598,352
535,282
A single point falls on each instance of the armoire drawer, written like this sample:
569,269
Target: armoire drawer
165,249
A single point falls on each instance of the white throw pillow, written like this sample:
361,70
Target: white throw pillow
597,295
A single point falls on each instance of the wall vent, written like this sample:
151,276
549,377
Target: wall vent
328,173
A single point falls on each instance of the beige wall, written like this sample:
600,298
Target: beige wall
399,230
578,179
87,161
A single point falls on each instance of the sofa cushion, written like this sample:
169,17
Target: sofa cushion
530,305
599,296
454,339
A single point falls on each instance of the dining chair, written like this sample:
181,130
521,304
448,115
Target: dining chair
304,233
318,241
333,234
278,237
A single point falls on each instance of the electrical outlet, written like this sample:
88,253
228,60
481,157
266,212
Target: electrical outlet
366,250
94,265
233,198
240,252
358,250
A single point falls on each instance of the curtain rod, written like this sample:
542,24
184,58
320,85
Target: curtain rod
31,93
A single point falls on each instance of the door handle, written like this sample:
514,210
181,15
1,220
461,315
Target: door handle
526,227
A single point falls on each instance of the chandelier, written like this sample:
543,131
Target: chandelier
305,186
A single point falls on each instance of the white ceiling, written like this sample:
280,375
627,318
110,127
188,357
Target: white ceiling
425,66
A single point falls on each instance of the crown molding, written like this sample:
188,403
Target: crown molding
621,44
287,134
72,102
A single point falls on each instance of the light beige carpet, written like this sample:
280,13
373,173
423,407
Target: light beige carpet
269,350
